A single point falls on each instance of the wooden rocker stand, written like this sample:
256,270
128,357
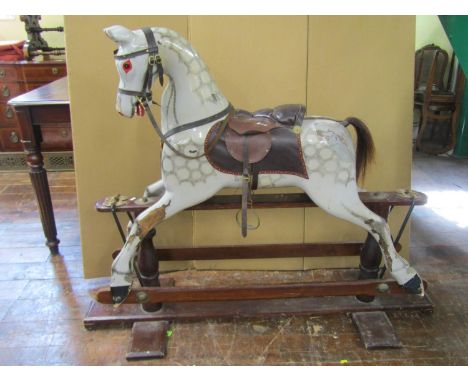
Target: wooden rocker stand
151,306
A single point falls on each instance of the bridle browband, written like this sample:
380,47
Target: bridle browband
144,96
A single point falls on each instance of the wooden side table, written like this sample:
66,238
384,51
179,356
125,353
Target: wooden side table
35,111
19,77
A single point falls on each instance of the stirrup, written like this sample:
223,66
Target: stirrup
250,227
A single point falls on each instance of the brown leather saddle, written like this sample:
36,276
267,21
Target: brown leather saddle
266,141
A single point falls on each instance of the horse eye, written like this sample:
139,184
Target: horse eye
127,66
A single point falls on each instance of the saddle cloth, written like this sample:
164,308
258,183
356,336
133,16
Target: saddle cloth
266,141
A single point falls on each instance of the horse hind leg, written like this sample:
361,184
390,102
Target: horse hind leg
399,268
343,202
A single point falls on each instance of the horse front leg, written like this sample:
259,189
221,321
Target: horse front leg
154,189
122,266
173,200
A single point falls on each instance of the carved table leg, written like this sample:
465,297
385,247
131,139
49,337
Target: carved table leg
371,256
40,184
31,141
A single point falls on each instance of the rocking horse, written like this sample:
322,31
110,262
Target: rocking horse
208,145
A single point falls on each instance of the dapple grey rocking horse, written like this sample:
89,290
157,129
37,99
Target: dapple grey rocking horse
209,146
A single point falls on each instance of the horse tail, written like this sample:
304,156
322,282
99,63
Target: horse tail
365,145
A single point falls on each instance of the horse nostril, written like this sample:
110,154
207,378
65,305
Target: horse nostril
121,114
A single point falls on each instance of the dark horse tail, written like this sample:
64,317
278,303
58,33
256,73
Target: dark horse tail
365,145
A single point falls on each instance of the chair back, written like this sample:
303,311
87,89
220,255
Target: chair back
430,65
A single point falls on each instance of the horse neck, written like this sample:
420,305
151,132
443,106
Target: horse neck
191,95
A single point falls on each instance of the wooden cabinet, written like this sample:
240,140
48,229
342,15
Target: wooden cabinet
20,77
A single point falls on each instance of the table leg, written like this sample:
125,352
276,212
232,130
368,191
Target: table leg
32,146
40,183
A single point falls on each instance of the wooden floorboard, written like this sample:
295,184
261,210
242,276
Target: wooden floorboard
44,299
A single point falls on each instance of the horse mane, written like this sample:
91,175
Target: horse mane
201,81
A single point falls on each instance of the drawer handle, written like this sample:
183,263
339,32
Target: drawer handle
5,91
64,133
55,71
2,73
14,137
9,112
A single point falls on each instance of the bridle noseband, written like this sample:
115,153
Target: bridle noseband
144,96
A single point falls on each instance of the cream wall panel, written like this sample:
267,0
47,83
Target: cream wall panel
276,226
257,62
112,154
347,232
321,227
292,264
331,262
363,66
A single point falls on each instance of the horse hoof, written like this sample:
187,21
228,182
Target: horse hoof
119,293
415,286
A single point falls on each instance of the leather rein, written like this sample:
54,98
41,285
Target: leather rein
145,96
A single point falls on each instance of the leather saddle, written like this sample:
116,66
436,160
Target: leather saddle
252,130
264,141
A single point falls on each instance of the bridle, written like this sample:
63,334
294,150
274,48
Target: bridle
144,96
154,59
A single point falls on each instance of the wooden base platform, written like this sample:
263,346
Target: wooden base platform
102,315
250,301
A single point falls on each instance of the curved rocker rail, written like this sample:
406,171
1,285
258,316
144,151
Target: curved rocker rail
154,295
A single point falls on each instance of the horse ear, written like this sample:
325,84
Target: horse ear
118,33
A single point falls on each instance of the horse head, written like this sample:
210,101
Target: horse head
138,59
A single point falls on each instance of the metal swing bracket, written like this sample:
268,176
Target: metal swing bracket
113,202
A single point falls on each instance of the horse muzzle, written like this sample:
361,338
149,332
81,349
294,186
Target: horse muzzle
125,105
